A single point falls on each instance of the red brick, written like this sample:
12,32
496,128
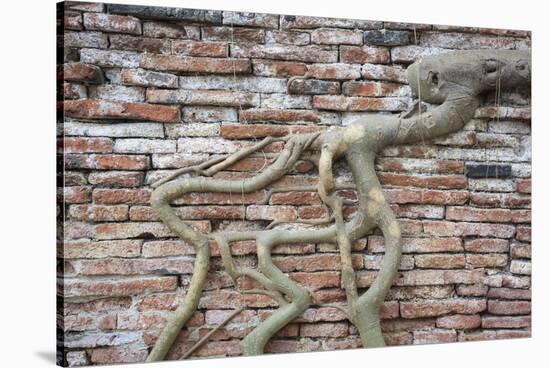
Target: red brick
338,329
435,181
72,20
500,200
207,98
280,213
520,250
398,338
434,336
478,214
194,48
521,216
363,55
459,321
447,228
112,23
81,322
100,109
311,263
102,249
507,293
523,233
395,325
506,322
116,179
122,287
274,68
487,245
195,64
425,277
123,230
234,34
418,245
122,196
426,196
80,194
471,290
141,44
431,308
508,307
296,198
523,185
142,213
118,354
87,145
317,280
73,91
439,261
116,266
487,260
337,71
343,103
306,54
278,115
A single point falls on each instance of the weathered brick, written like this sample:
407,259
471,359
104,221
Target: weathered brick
308,22
84,6
338,329
520,267
243,83
101,249
72,91
471,41
459,321
116,178
122,230
383,72
313,87
108,162
278,115
79,194
72,20
284,101
486,260
504,112
108,213
472,290
122,196
162,12
281,213
478,214
418,245
386,37
421,291
523,233
142,213
408,54
431,308
96,40
170,30
212,98
507,293
87,145
488,171
520,250
434,336
426,196
77,358
100,109
486,245
446,228
80,72
375,89
419,211
113,266
506,322
110,58
209,114
523,185
196,48
152,130
140,44
237,34
343,103
333,71
192,130
288,37
274,68
119,354
439,261
312,263
434,181
374,262
284,52
250,19
508,281
122,287
112,23
507,307
500,200
117,93
327,36
425,277
195,64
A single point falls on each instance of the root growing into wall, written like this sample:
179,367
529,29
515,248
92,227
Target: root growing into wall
454,81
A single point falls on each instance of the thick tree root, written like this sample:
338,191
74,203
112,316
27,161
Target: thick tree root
454,81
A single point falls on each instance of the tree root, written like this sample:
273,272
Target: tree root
454,81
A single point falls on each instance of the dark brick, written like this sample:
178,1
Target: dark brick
154,12
488,171
384,37
313,87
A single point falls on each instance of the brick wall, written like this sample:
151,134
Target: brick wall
148,90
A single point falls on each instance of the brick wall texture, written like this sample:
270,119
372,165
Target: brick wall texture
148,90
